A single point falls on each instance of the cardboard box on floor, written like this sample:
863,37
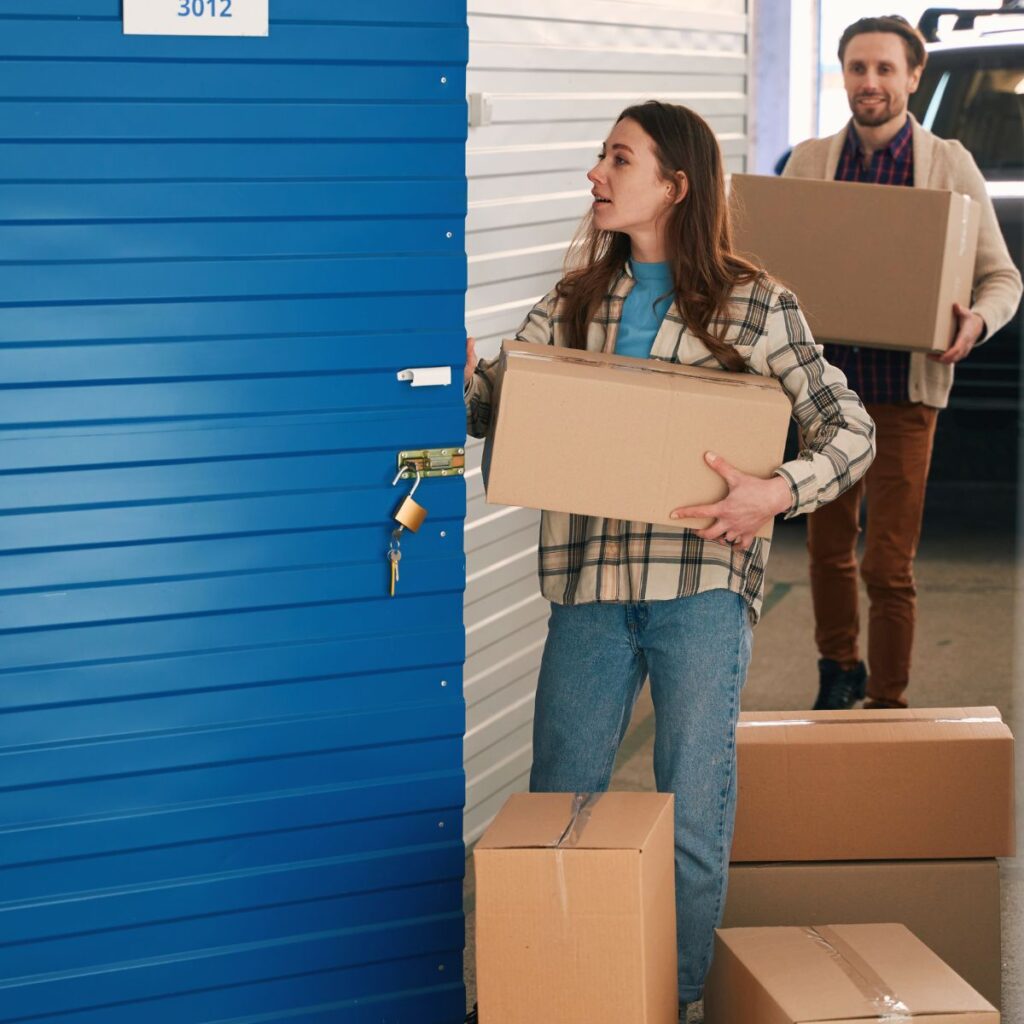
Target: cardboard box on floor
625,438
917,784
575,911
952,906
869,264
840,974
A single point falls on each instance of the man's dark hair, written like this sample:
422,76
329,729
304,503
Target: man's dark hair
913,41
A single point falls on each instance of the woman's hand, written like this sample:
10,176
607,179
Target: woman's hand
750,503
471,360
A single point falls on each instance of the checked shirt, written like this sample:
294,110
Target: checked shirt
587,558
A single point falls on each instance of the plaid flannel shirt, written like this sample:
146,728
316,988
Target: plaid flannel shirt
587,558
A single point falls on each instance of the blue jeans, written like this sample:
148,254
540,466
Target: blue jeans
696,651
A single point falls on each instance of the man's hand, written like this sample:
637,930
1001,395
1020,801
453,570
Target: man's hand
750,503
970,327
471,360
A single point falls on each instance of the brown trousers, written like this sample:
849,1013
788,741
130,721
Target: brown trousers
894,486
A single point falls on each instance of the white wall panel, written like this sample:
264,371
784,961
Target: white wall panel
556,73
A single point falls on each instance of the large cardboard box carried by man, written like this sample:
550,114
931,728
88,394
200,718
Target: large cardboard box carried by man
870,264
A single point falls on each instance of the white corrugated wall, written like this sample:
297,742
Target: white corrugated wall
555,74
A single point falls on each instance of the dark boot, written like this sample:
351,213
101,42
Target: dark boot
472,1017
839,688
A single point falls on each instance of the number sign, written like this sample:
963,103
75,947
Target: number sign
196,17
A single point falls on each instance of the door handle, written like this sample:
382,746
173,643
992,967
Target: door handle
427,376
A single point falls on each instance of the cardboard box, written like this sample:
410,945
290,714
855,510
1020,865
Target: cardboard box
843,974
952,906
625,438
870,264
918,784
575,911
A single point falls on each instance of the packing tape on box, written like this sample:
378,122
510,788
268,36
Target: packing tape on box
875,719
582,806
730,378
884,1000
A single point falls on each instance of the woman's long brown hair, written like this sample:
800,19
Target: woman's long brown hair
698,236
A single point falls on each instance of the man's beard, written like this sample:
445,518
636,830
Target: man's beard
876,116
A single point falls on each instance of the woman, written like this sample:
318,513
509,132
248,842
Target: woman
653,275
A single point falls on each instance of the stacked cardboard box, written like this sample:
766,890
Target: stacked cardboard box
877,816
842,974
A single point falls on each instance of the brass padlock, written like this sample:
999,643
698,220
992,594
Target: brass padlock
410,513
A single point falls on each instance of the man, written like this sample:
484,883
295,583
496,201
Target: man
882,61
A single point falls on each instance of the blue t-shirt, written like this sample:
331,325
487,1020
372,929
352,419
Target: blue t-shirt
641,318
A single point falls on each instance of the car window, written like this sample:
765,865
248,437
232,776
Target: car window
978,100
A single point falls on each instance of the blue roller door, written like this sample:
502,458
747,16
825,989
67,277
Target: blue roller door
231,785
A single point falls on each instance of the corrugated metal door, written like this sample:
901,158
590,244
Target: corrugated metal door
231,784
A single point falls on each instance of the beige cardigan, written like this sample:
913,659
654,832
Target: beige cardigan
939,164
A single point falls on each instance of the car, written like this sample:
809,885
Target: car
972,90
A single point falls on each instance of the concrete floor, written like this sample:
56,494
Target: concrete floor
969,650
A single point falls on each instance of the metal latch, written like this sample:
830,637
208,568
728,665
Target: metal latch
431,462
427,376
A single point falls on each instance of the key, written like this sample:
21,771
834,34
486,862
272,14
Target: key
394,557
